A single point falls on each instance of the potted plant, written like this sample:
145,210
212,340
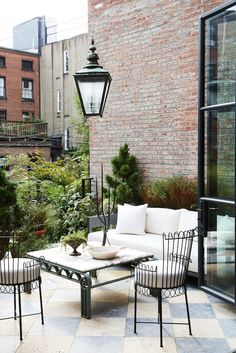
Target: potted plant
74,240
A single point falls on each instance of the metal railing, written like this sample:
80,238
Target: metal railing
21,128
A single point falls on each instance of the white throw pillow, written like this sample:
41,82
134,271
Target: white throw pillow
188,220
131,219
162,220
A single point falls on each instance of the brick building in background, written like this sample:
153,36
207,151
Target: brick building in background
150,49
19,85
20,127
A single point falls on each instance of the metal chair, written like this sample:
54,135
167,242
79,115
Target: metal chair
166,278
18,275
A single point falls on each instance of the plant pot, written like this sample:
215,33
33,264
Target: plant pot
74,245
39,232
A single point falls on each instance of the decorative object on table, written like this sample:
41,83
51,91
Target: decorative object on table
104,212
103,252
74,240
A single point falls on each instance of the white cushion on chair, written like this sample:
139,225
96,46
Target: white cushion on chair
159,274
18,270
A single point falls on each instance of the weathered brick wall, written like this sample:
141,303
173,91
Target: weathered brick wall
151,50
15,150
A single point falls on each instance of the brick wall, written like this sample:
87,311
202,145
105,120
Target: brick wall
151,50
15,150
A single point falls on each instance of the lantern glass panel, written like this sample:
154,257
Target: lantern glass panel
92,94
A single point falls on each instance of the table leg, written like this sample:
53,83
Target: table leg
86,284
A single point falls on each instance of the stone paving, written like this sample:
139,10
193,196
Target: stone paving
111,326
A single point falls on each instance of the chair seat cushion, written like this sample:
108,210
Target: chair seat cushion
160,274
18,271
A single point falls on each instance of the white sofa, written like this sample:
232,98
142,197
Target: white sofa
141,227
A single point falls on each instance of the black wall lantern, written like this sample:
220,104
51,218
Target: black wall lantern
93,84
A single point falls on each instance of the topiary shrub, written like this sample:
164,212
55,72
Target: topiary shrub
125,177
174,192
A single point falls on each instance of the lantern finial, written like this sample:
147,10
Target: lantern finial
93,57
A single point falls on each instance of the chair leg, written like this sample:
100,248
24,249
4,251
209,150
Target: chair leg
135,307
187,309
41,301
160,317
20,317
15,313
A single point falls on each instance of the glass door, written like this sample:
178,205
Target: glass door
217,109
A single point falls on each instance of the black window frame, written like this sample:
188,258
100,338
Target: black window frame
25,65
2,61
26,89
1,115
4,95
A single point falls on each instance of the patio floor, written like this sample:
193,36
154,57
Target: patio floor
111,327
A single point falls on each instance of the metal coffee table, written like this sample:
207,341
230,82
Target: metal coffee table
83,268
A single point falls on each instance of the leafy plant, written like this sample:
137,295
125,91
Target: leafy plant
174,192
79,237
8,203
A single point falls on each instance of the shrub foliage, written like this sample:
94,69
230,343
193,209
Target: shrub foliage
174,192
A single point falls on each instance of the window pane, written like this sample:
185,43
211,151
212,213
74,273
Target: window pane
3,115
220,154
66,62
27,65
220,58
220,248
2,61
2,87
27,89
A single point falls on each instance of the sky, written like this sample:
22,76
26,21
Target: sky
71,17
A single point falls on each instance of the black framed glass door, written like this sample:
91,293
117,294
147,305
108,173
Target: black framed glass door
217,73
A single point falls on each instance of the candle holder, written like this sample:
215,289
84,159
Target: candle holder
104,214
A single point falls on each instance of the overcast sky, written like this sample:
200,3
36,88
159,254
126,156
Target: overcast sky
71,16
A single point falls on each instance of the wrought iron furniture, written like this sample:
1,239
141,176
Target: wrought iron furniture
166,278
83,268
18,275
104,213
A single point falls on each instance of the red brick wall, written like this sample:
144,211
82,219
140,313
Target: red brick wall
151,50
14,74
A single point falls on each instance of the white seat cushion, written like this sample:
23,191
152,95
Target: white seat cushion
18,270
159,274
151,243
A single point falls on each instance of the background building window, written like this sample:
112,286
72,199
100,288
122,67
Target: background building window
27,89
2,87
66,62
58,101
67,139
3,115
2,61
27,65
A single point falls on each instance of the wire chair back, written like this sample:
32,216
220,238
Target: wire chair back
170,270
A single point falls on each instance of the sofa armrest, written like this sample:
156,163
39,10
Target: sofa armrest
94,221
